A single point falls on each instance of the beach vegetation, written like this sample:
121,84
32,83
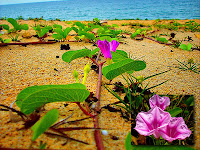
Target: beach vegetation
20,18
186,47
42,31
16,26
192,26
189,65
14,38
4,40
61,34
96,21
3,18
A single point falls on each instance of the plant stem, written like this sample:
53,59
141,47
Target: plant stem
85,112
97,134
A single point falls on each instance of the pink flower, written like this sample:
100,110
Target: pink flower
161,102
148,123
106,47
175,130
114,44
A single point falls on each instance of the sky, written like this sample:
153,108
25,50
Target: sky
5,2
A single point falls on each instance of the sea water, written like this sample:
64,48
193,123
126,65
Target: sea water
105,9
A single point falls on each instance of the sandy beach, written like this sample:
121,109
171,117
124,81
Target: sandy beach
24,66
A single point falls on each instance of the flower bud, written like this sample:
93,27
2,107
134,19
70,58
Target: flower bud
140,79
75,74
87,68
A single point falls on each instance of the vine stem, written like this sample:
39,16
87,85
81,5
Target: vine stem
97,134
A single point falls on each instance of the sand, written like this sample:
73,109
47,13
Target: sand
22,67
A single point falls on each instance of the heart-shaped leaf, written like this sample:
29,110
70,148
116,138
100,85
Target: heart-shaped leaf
113,70
44,123
119,55
34,97
71,55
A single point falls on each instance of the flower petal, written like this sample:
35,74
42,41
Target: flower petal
114,44
161,102
104,46
148,123
175,130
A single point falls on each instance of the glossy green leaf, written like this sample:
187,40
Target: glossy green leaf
34,97
71,55
44,123
13,22
119,55
59,31
113,70
128,145
186,47
174,112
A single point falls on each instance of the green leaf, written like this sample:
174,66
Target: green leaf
71,55
189,46
189,101
66,31
113,70
59,31
119,55
5,26
7,40
44,123
174,112
75,29
43,32
24,27
183,47
57,36
13,22
95,51
128,145
34,97
108,38
134,35
163,40
57,26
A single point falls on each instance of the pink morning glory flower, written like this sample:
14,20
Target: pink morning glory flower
106,47
161,102
148,123
175,130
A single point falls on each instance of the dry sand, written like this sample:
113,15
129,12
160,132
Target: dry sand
22,67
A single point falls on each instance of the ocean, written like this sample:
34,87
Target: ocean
104,9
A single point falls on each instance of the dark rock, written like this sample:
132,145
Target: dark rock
171,50
57,56
55,69
64,47
114,137
172,35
